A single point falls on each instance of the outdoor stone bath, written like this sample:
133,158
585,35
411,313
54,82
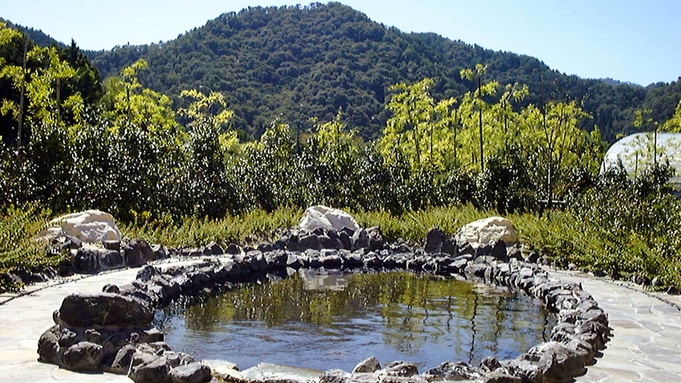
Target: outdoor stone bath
112,330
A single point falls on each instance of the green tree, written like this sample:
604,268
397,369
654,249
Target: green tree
127,100
421,129
673,125
470,74
473,130
555,144
412,110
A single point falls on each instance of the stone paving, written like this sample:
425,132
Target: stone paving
646,336
644,348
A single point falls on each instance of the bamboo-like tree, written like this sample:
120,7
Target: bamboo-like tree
476,74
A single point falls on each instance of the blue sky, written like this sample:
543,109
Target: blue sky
628,40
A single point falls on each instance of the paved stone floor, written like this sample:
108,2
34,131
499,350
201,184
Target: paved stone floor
644,348
646,336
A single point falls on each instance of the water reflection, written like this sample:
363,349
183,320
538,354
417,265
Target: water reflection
324,321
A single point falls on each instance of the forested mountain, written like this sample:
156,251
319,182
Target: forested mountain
298,62
38,36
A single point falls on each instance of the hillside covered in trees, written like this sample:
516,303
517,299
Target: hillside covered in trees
301,62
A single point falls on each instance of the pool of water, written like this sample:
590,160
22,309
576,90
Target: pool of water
332,320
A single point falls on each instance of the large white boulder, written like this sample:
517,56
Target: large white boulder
326,218
487,231
89,226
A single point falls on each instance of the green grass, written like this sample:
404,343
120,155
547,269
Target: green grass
19,251
560,236
250,228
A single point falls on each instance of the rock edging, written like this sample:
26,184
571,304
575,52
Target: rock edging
111,331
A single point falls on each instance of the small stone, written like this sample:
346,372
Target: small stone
112,245
191,373
370,364
111,288
360,240
434,240
67,337
233,249
94,336
48,346
83,356
176,359
156,370
213,249
334,376
400,368
533,257
453,371
502,377
122,360
310,242
490,364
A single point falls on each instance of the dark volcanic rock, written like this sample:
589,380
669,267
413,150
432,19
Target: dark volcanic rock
155,371
48,346
86,261
121,360
83,356
133,255
434,241
454,371
103,309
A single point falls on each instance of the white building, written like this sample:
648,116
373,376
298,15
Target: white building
636,153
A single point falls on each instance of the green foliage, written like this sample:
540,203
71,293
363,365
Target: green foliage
53,84
19,251
674,124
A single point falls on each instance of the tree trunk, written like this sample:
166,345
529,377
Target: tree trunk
482,157
22,94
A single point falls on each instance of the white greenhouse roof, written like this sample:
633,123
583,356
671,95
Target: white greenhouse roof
636,153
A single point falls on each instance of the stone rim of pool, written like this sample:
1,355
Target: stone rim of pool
126,343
